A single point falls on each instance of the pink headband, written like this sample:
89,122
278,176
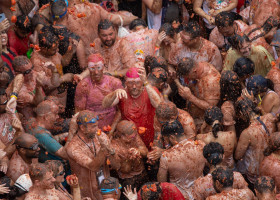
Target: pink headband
95,58
132,73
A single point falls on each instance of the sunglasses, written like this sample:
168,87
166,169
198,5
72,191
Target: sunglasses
60,173
27,71
4,101
34,147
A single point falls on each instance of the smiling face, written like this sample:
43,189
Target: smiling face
4,39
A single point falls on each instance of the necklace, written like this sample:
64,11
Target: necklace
94,152
63,190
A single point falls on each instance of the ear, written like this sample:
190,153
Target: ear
83,128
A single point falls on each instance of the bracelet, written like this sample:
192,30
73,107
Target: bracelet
146,83
14,96
14,93
115,73
165,95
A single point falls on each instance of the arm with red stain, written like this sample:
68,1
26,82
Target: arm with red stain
242,145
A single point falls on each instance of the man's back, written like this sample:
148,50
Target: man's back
234,194
184,163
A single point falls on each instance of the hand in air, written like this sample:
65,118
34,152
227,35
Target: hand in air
131,195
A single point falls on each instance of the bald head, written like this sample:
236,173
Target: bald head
25,140
126,127
45,107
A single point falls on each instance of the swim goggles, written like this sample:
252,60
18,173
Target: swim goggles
105,191
92,121
62,15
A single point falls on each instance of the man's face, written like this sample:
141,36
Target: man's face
50,51
4,38
130,135
26,70
138,28
48,181
108,36
96,70
32,149
187,39
90,129
245,49
53,116
134,87
3,101
20,33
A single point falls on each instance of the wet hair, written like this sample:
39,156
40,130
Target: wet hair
54,166
47,38
226,19
158,75
172,13
243,67
24,23
213,153
110,183
104,25
38,171
210,116
151,62
193,29
168,29
172,128
185,66
224,176
246,107
166,110
237,40
137,22
258,84
151,190
58,7
20,61
264,184
23,139
124,127
274,143
230,86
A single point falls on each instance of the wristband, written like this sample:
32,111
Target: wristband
115,73
146,83
165,95
14,93
14,96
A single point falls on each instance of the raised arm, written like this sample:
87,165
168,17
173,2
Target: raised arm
113,98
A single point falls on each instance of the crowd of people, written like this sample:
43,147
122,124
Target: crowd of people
130,99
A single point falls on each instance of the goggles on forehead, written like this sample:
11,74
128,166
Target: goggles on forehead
62,15
105,191
92,121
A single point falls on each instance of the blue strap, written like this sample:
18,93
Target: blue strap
266,130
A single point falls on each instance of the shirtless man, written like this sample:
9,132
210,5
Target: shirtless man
274,76
205,92
130,150
213,120
142,38
265,188
203,186
176,163
137,102
30,87
253,140
167,112
223,184
43,183
27,149
261,10
193,46
271,164
47,114
88,152
83,19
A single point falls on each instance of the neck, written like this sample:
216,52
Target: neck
226,189
26,159
41,122
266,196
212,167
253,116
5,49
197,45
83,136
